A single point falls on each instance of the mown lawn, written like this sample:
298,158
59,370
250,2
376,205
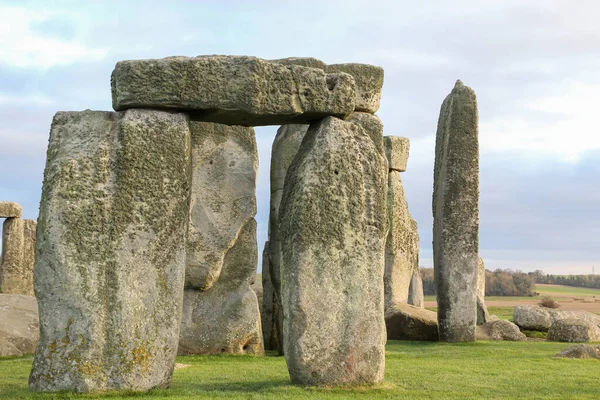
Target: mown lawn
414,370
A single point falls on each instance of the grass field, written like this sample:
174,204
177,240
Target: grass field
414,370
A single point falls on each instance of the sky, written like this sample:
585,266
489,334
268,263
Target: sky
534,65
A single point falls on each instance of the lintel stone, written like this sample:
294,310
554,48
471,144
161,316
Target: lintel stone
396,150
9,209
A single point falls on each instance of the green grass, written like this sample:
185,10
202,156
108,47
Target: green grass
414,370
566,290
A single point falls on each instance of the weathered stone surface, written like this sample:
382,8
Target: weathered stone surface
456,215
499,330
368,78
18,256
9,209
234,90
482,312
18,324
415,291
223,197
573,330
407,322
397,150
284,149
402,245
372,126
257,288
540,318
110,262
225,318
269,302
582,351
333,226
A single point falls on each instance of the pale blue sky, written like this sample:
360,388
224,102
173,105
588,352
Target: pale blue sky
533,64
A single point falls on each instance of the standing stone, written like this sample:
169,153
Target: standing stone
333,227
18,256
220,310
482,312
284,149
110,262
233,90
10,210
402,244
269,303
415,292
456,215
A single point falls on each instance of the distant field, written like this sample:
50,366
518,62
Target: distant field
414,370
560,290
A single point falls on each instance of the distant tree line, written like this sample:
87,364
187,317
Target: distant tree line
501,282
586,281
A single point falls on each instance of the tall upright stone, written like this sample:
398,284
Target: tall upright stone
220,310
333,225
268,315
18,256
483,315
110,263
456,215
402,244
284,149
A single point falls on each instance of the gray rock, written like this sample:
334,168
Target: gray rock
407,322
9,209
456,215
268,313
573,330
482,312
415,291
18,324
223,197
220,310
368,78
333,227
110,262
402,245
537,318
18,256
225,318
257,288
234,90
284,149
581,351
499,330
372,126
397,150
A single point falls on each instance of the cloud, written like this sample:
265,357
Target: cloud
24,42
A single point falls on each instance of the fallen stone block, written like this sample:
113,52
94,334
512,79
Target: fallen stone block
333,225
233,90
537,318
18,324
456,215
10,210
111,251
573,330
499,330
407,322
581,351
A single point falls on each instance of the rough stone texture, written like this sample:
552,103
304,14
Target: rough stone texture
415,291
9,209
110,255
397,150
368,78
537,318
482,312
402,245
234,90
257,288
573,330
225,318
333,227
269,302
456,215
407,322
223,197
18,256
372,126
284,149
582,351
499,330
18,324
